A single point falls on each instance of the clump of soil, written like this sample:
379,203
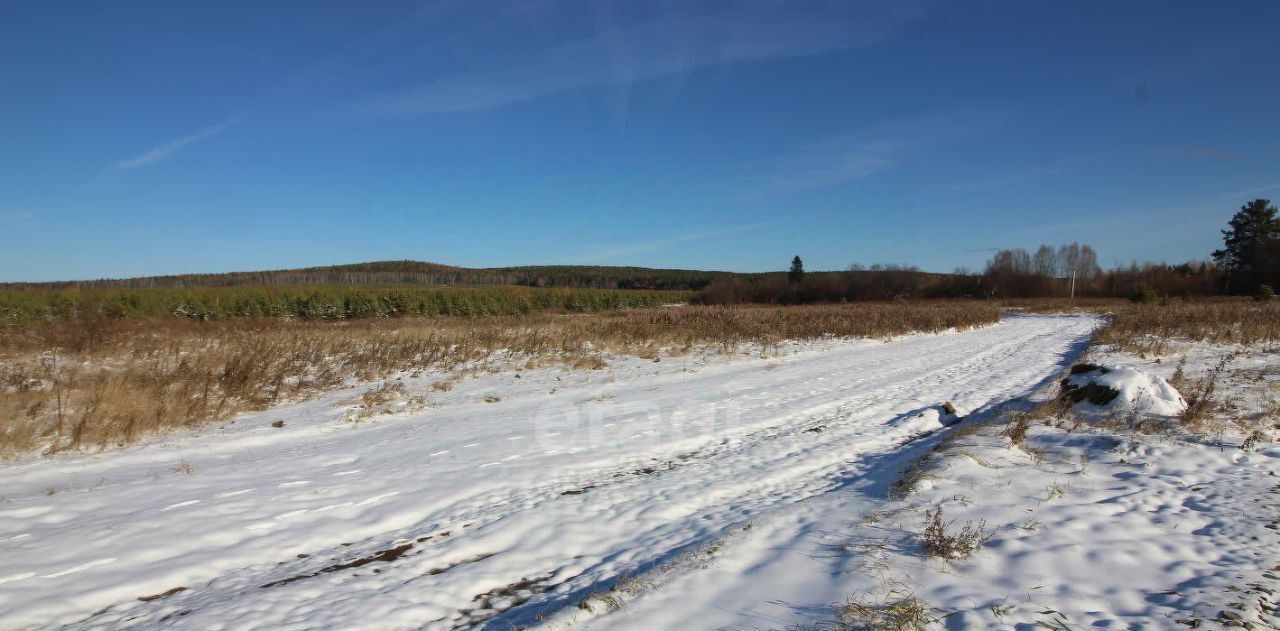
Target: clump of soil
1091,391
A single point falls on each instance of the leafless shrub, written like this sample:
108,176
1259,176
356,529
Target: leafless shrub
1016,432
912,475
1179,377
1200,402
936,541
1257,437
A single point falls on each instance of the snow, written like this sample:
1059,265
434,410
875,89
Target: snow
449,511
696,492
1138,391
1090,528
1140,536
926,421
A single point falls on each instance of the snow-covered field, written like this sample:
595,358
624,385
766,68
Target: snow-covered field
1090,529
694,492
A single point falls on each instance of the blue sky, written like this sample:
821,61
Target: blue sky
141,138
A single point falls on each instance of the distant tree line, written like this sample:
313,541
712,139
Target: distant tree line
1017,273
31,306
1249,263
797,286
409,273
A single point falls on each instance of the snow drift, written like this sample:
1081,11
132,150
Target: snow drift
1113,389
928,420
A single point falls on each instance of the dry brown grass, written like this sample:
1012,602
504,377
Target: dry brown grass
1228,320
1146,328
938,540
1200,395
897,611
1136,327
382,394
98,382
1016,431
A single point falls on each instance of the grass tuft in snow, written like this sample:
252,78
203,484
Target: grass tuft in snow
1197,416
1016,432
941,541
896,612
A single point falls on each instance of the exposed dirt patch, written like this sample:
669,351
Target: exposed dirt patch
385,556
1080,369
382,556
147,599
176,614
663,466
475,559
500,599
1094,393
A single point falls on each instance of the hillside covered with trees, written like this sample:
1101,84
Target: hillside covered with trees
399,273
1248,263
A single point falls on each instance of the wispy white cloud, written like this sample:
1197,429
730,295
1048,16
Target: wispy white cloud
667,242
1159,223
1093,161
859,155
832,162
671,45
324,67
167,149
828,162
1243,195
1201,153
1019,176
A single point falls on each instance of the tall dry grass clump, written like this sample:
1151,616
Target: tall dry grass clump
731,327
941,541
95,382
1222,321
1143,327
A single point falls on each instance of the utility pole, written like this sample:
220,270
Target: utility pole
1073,283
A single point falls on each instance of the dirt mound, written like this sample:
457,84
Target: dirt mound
1110,389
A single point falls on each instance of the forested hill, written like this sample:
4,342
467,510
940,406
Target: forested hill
420,273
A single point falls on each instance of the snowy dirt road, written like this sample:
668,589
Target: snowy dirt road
471,513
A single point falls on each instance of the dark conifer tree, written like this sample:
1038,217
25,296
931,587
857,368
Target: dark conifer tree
797,271
1250,246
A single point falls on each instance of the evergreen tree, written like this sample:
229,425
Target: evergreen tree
1250,245
797,271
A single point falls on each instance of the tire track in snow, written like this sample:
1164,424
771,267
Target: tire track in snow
623,519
